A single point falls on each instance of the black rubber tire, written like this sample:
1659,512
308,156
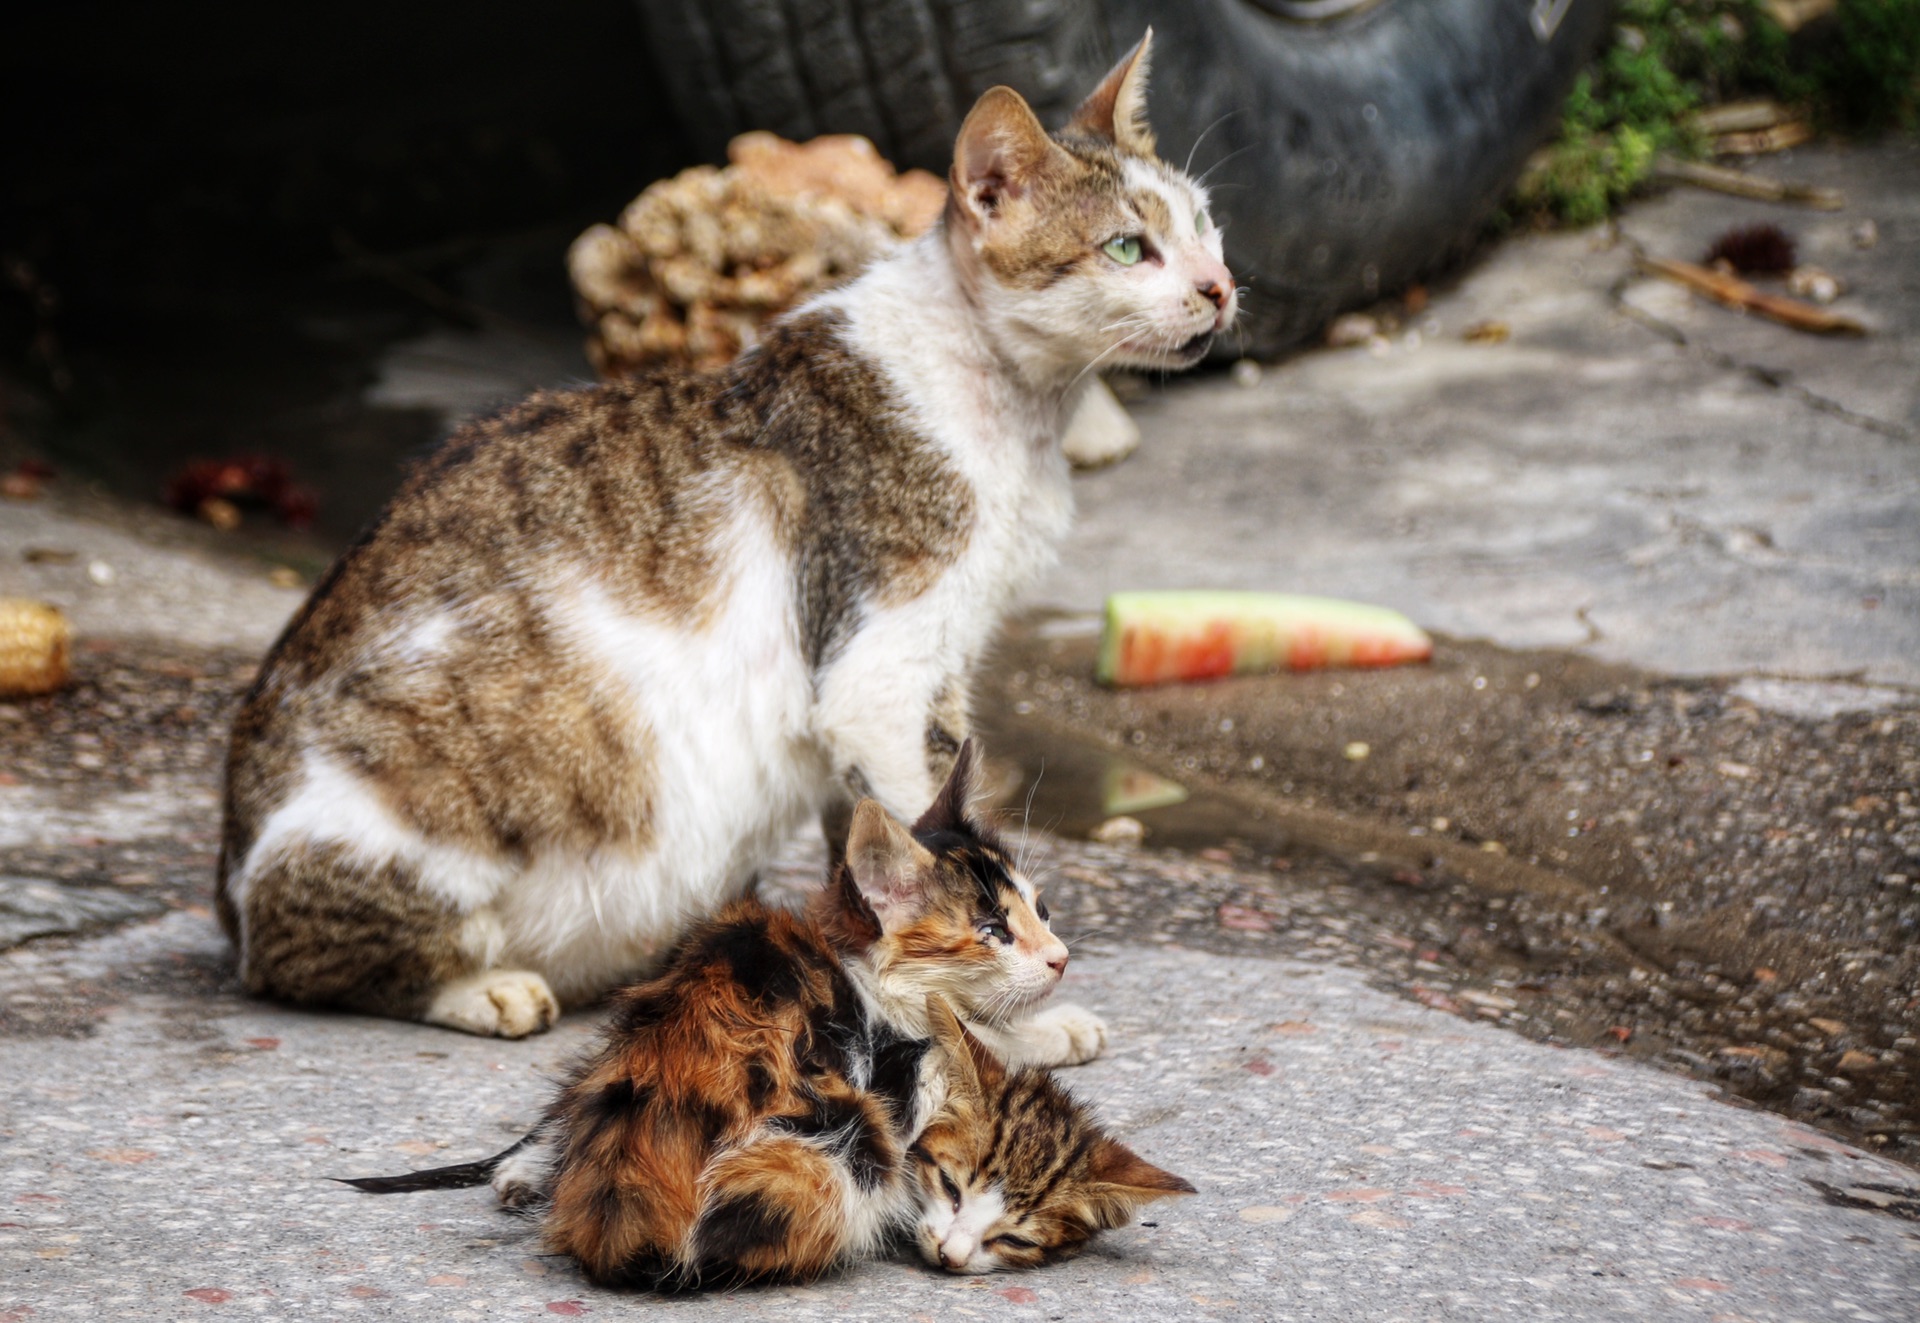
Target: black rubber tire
1348,157
902,72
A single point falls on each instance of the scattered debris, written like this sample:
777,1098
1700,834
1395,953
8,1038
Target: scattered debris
1750,116
1126,789
1764,142
1739,183
36,647
100,573
218,491
49,556
1866,234
1246,373
26,481
1353,329
699,262
1814,284
1751,250
1792,15
1119,831
1154,637
1750,128
1357,751
1737,293
285,576
1487,333
1240,918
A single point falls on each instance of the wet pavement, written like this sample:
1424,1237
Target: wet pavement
1588,991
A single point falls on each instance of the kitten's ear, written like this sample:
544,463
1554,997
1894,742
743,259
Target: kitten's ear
973,1069
1123,1181
1001,151
1117,109
887,865
951,809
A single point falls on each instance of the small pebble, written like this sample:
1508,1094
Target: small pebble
1247,373
1119,831
1357,752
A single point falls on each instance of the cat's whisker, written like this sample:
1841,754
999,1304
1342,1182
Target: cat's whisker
1187,168
1238,151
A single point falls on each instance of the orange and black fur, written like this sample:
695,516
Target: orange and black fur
748,1113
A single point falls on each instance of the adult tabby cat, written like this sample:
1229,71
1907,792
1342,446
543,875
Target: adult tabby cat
606,650
749,1111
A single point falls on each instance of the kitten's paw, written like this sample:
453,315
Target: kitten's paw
521,1180
500,1003
1063,1035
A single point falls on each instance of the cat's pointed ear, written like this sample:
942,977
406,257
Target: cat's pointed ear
1001,152
1117,109
1123,1181
972,1068
952,808
887,865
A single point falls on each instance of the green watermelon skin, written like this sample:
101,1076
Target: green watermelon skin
1162,637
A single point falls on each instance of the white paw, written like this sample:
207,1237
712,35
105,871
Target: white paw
1062,1035
501,1003
522,1179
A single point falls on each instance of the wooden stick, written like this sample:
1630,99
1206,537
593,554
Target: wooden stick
1759,142
1740,184
1737,293
1738,117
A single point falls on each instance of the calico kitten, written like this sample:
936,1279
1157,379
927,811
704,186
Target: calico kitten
1012,1171
747,1113
606,650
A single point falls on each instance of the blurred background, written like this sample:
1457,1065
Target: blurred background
219,219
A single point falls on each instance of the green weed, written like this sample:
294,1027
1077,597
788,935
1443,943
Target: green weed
1858,70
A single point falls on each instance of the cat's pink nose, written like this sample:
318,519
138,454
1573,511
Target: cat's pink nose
954,1262
1058,964
1214,292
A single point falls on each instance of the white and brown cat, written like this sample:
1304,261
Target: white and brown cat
607,649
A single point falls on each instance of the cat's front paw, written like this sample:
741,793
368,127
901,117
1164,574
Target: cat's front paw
1063,1035
500,1003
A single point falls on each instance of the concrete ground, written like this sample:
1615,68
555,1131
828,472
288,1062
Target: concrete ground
1629,475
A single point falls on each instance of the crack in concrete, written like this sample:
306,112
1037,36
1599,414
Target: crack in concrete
1775,378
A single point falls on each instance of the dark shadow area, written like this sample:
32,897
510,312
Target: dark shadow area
216,216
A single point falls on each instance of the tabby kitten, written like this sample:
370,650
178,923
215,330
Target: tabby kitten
747,1113
606,650
1013,1171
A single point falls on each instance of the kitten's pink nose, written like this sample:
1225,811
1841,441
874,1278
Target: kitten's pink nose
1058,964
954,1262
1214,292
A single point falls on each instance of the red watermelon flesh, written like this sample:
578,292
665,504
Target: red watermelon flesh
1156,637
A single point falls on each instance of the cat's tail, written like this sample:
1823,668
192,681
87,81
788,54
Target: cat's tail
460,1176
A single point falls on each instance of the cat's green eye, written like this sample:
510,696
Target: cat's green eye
996,930
1201,221
1126,250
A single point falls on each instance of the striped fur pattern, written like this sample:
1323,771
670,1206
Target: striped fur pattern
607,649
748,1113
1013,1171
